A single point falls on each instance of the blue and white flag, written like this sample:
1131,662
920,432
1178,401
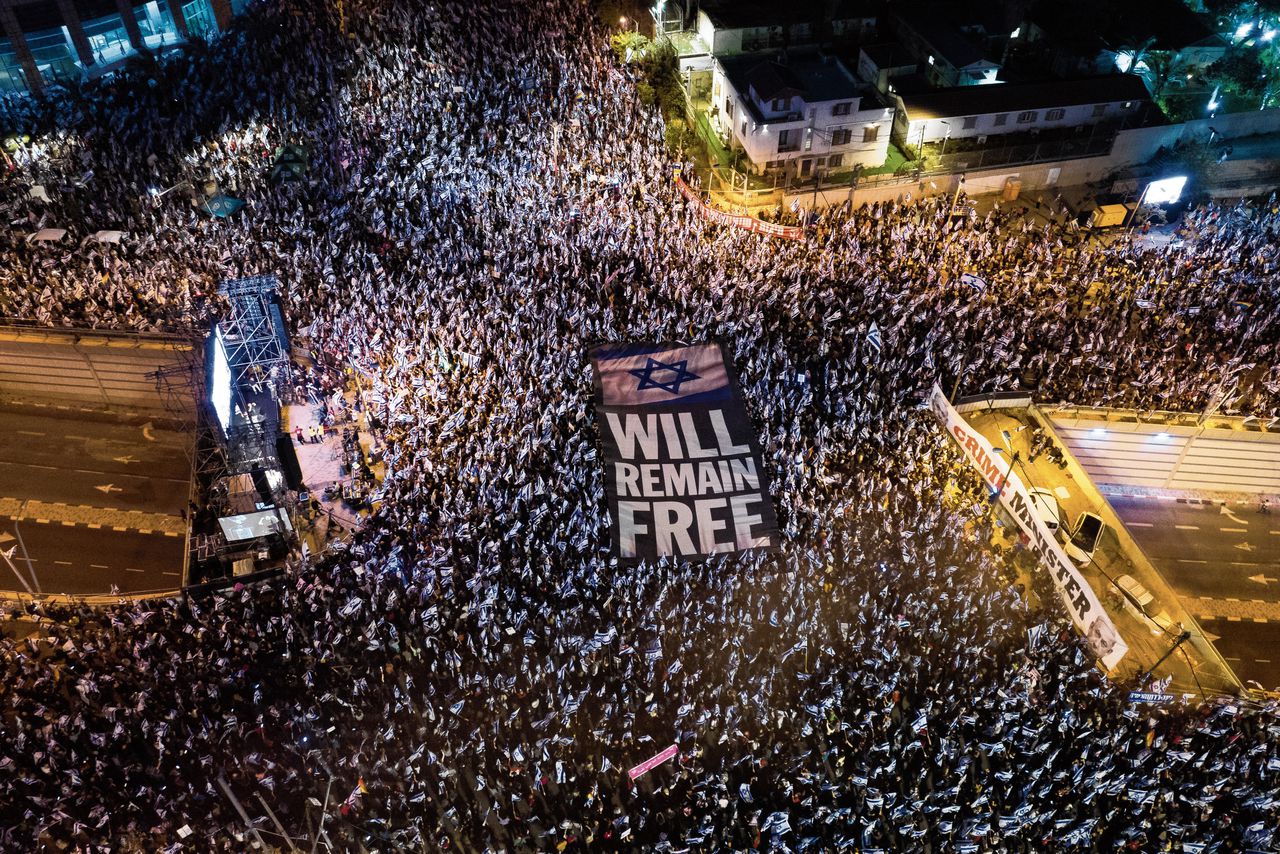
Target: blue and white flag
874,339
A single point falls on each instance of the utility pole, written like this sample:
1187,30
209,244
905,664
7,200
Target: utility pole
17,532
1004,480
1177,642
235,802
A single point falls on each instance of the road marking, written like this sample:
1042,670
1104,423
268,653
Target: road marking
1244,563
1229,658
99,566
172,534
166,572
1233,619
67,524
1263,660
1184,560
1234,530
63,562
1233,517
30,433
1187,527
1259,619
1140,524
131,569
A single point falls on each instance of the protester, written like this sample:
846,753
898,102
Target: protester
486,197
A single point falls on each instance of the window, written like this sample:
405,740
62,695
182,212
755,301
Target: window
788,140
780,104
1001,119
842,109
970,122
841,137
728,107
1099,110
1028,116
744,127
835,160
871,134
1054,115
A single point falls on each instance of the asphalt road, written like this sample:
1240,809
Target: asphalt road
80,560
1231,557
92,468
1252,649
104,464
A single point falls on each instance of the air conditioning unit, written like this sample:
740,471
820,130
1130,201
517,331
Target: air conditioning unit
982,140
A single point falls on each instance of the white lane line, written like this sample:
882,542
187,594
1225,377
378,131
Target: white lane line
1140,524
1229,658
167,572
1263,660
1234,530
99,566
30,433
131,569
1187,527
1184,560
1243,563
63,562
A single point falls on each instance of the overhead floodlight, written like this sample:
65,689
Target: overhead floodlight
1166,190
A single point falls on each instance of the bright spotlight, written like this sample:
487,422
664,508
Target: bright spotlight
1166,190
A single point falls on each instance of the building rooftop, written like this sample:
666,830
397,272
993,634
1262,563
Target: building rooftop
1015,97
954,46
737,14
889,55
814,77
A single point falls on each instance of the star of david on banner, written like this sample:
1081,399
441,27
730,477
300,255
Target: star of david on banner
679,371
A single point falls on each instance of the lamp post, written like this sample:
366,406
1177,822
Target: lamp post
1133,217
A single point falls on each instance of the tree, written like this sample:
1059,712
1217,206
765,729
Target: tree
1240,71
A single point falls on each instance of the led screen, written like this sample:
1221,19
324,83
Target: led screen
220,387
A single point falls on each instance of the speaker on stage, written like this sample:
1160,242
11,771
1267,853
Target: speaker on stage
288,461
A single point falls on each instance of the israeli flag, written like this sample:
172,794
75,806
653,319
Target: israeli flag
874,339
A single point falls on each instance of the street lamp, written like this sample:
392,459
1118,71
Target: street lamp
635,25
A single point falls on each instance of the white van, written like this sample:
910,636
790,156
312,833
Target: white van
1045,504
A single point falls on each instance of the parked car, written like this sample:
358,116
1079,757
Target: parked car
1134,597
1085,538
1046,506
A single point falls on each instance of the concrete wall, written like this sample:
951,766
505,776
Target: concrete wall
93,370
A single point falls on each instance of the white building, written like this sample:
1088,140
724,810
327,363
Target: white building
742,26
798,113
976,111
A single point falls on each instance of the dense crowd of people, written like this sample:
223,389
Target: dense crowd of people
486,197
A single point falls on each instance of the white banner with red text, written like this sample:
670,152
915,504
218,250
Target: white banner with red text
750,223
1081,602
